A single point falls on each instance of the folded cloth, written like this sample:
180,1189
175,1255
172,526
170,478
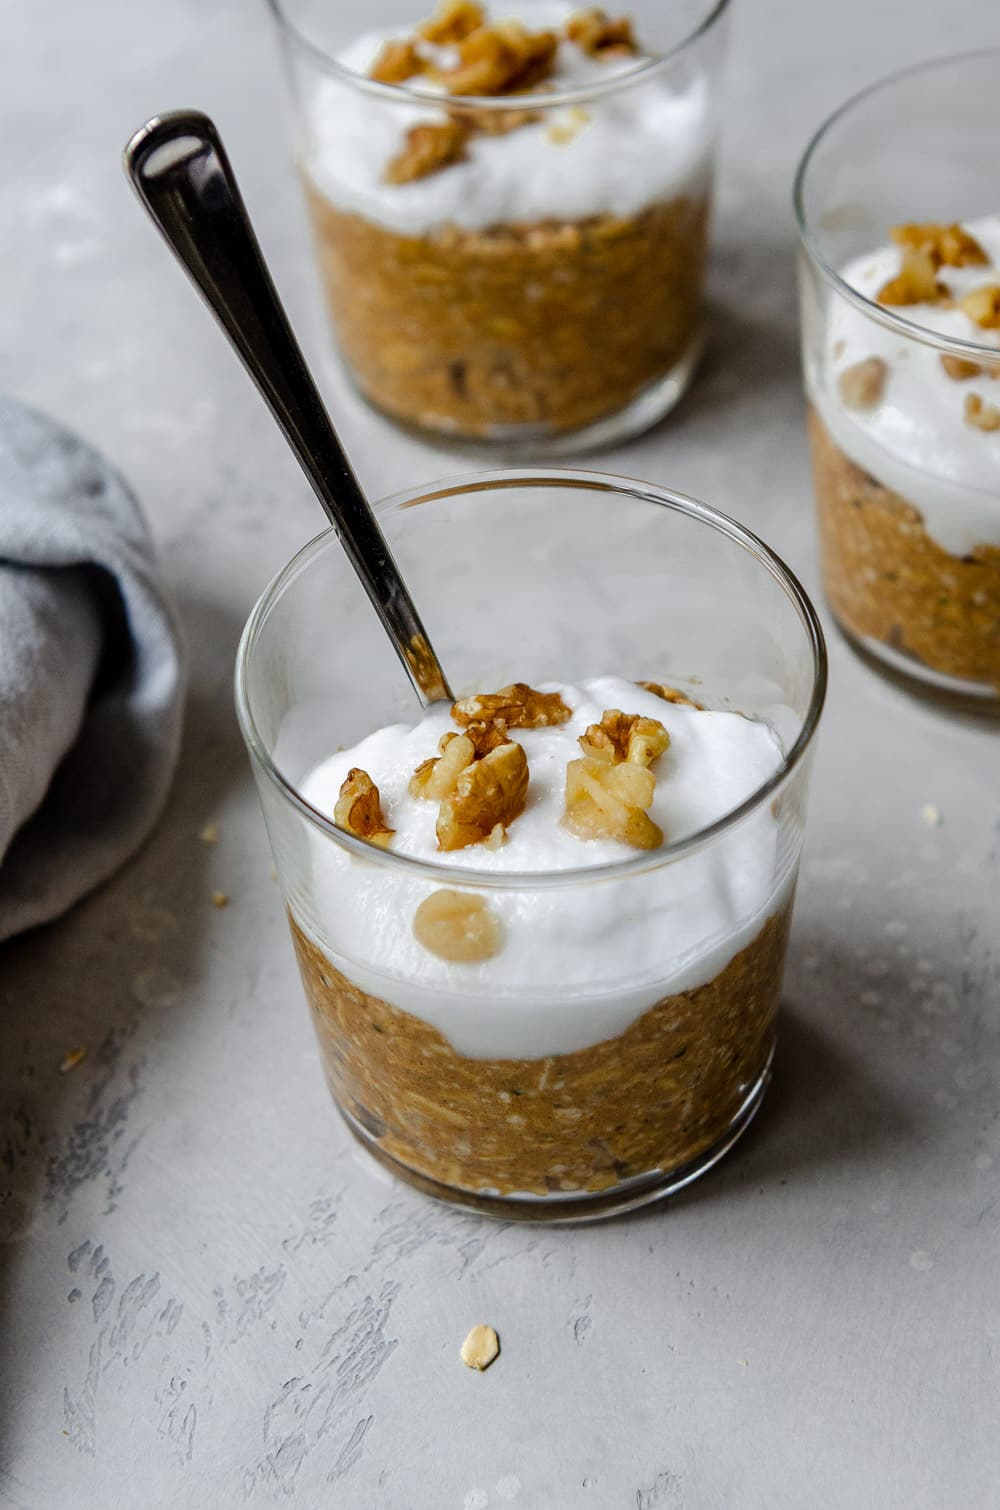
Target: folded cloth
91,672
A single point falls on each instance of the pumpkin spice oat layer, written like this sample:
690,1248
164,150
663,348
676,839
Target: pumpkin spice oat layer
558,1038
905,440
526,267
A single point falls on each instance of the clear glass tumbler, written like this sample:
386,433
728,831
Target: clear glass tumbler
522,264
899,219
621,1040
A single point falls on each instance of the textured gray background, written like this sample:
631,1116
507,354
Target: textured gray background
208,1298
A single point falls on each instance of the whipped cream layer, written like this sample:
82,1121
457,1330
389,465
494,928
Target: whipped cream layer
637,146
579,962
916,440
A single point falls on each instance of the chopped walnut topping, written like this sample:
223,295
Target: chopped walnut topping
983,306
429,147
452,21
625,737
519,706
359,809
671,695
490,791
981,416
948,245
598,35
916,282
605,801
959,369
500,58
862,385
396,62
458,926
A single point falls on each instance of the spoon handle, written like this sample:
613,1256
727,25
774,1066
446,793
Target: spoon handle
179,168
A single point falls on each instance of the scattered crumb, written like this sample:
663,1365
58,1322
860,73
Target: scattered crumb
209,834
743,1362
220,899
480,1348
931,815
71,1061
274,875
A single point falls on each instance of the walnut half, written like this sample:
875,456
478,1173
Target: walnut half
501,58
491,791
519,706
429,147
625,737
359,809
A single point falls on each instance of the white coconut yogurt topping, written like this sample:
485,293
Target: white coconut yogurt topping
916,441
578,962
617,154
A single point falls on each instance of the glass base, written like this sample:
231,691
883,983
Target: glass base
921,680
561,1210
541,442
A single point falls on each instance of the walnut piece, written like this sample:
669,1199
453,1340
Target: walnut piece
490,791
519,706
605,801
359,809
916,282
480,1348
598,35
501,58
487,735
436,778
958,369
625,737
497,122
983,306
671,695
458,926
452,21
396,62
981,416
429,148
862,385
948,245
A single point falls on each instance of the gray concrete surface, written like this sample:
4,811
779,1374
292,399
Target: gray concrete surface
209,1299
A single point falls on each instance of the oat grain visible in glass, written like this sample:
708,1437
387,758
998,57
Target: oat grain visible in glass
510,216
541,931
900,294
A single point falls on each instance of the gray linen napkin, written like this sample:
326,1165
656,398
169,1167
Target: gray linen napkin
91,678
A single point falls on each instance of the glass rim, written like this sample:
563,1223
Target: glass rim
482,481
880,313
714,10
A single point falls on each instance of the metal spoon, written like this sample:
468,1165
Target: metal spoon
179,169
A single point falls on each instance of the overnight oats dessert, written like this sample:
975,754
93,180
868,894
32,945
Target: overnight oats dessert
542,928
510,211
901,331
